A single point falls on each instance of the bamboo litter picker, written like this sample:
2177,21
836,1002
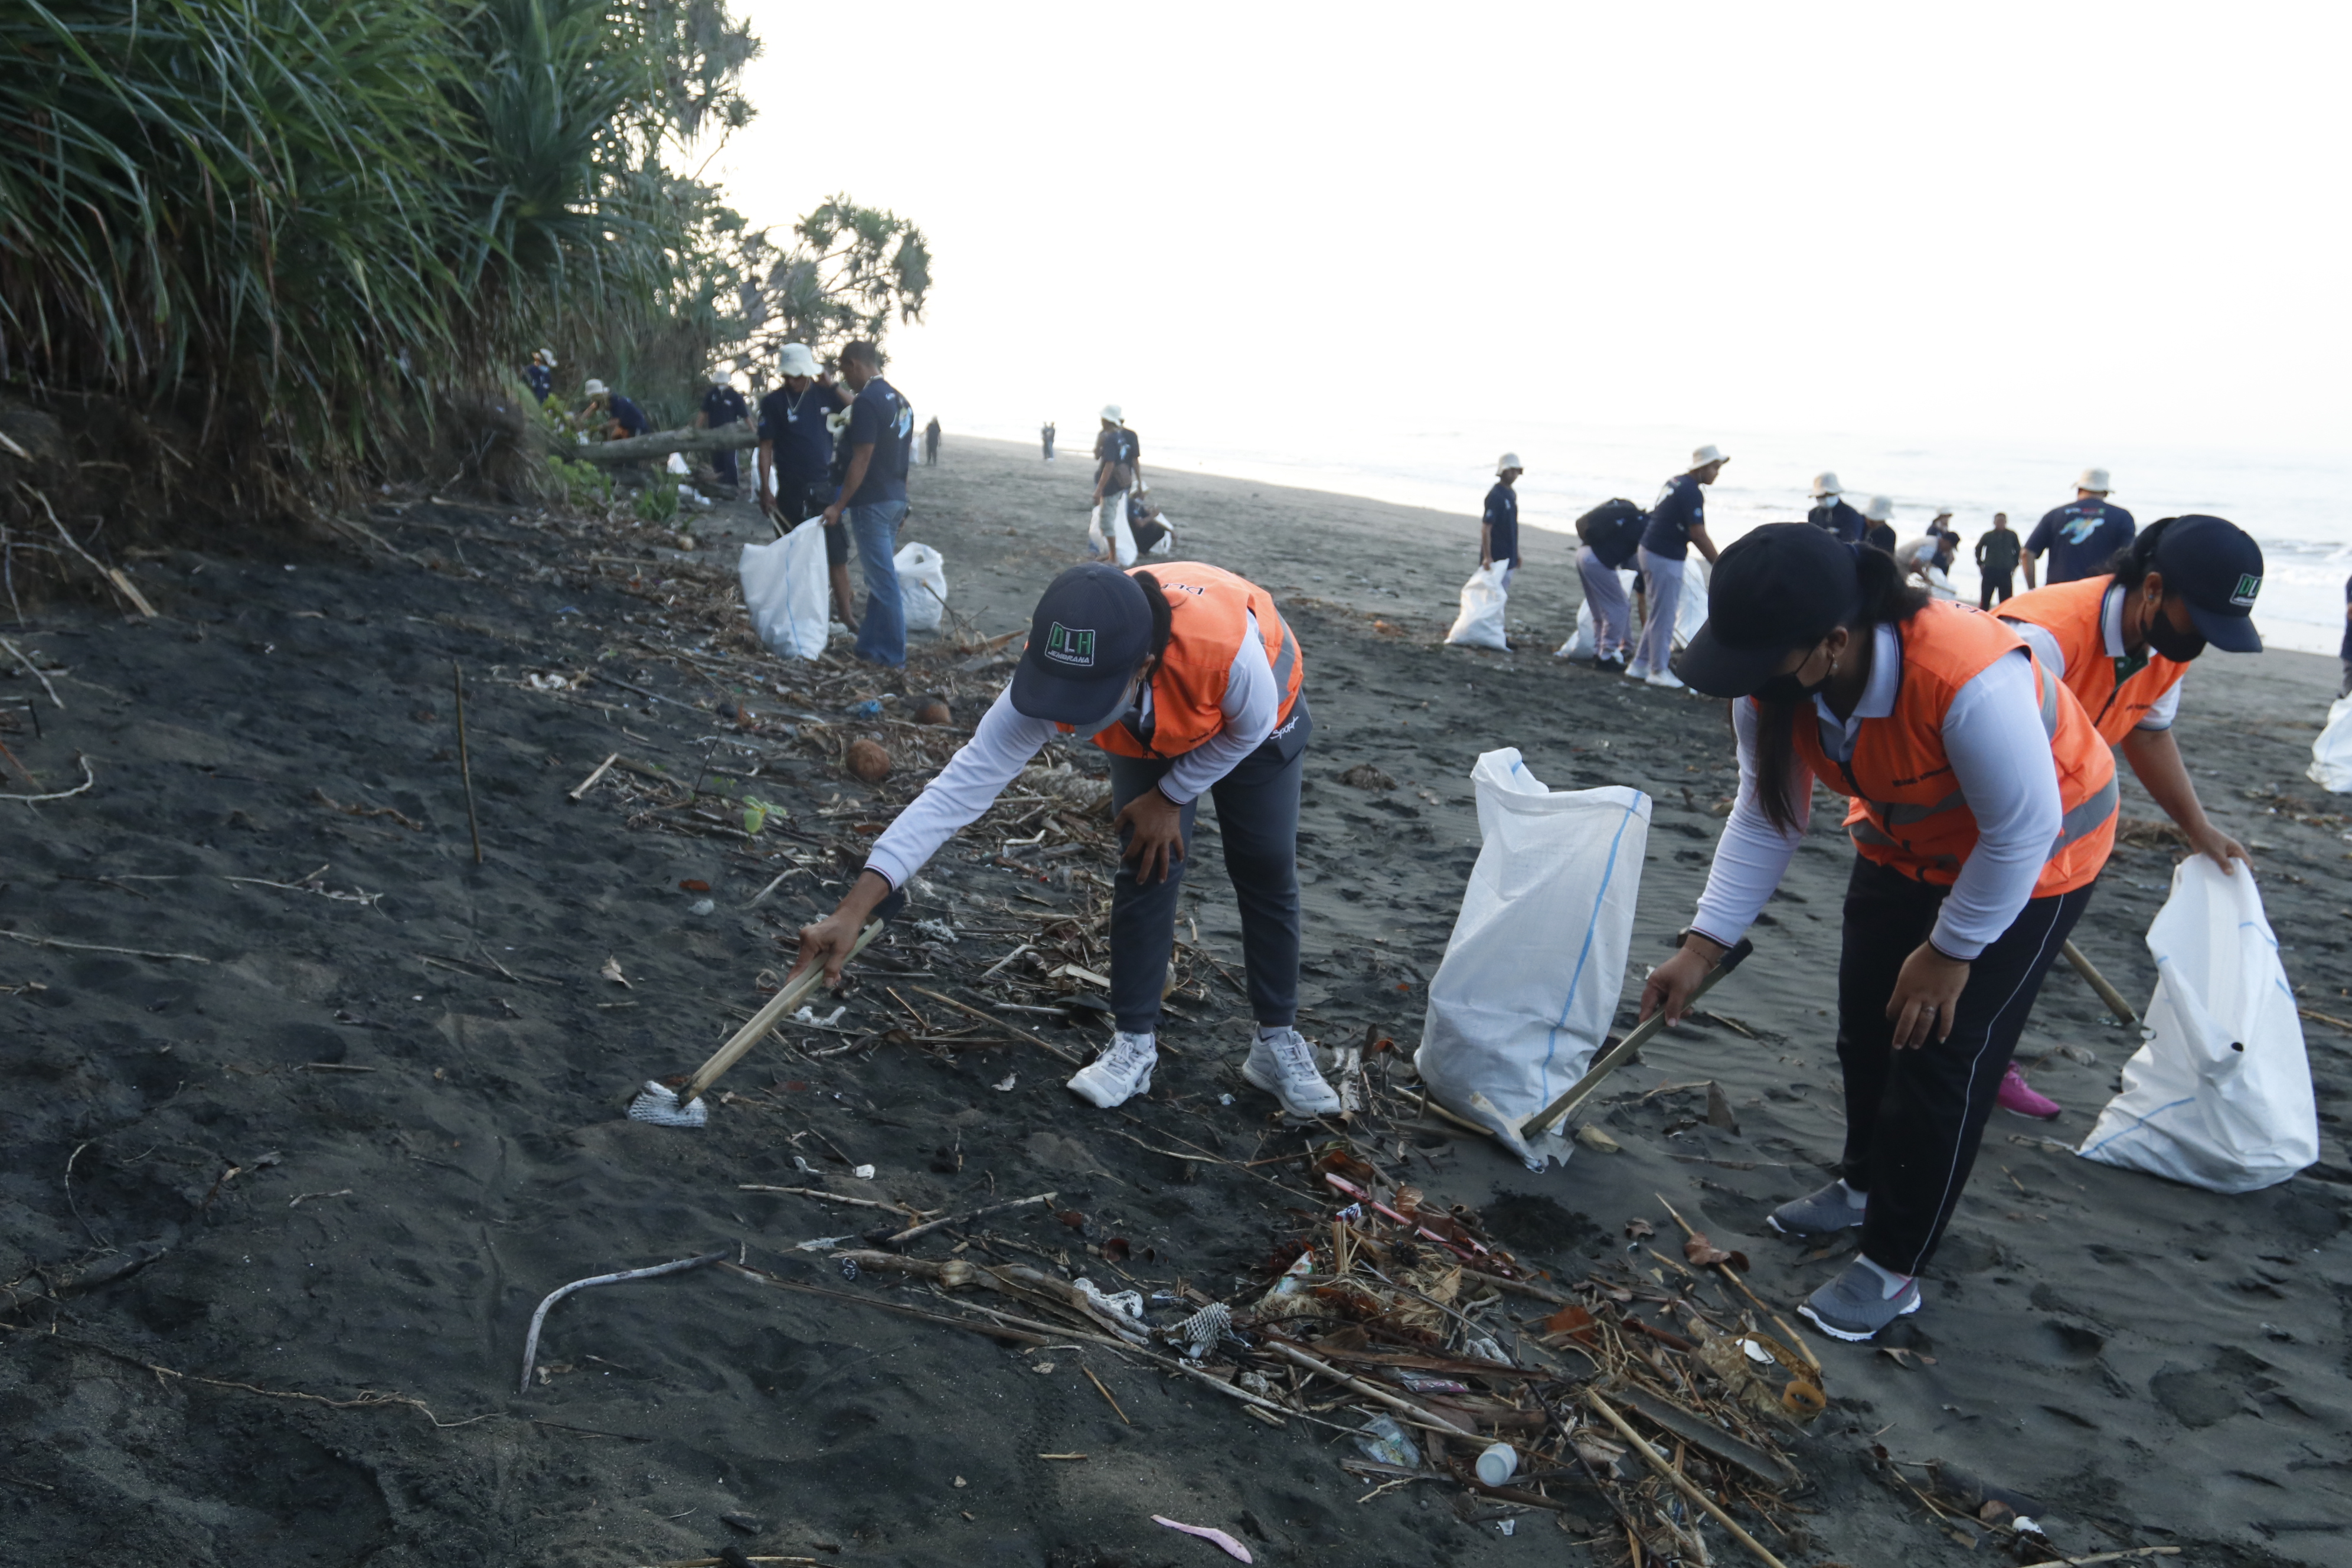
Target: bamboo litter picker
661,1106
1616,1056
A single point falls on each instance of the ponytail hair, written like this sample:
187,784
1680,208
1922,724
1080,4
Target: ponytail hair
2131,564
1162,619
1887,598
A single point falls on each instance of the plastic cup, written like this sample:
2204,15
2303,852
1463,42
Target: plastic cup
1496,1465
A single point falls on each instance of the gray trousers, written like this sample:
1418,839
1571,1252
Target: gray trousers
1605,590
1655,655
1257,817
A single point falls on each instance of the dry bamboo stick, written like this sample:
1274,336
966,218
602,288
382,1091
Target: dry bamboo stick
1675,1478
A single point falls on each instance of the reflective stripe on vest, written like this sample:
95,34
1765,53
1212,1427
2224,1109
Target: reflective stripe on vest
1905,815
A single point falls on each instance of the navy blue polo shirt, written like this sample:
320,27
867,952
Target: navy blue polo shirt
881,417
632,417
1840,520
2074,541
1503,523
1880,536
2348,620
1681,506
539,379
723,406
1614,548
802,445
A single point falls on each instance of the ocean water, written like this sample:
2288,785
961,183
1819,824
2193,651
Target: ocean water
2297,505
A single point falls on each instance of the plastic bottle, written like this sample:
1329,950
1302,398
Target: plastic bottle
1382,1438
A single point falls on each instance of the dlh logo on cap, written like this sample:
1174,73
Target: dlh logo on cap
2248,586
1064,646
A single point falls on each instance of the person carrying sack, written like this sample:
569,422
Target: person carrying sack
1118,466
1676,523
1982,807
1187,675
2123,642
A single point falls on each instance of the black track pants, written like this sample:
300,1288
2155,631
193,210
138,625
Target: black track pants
1913,1119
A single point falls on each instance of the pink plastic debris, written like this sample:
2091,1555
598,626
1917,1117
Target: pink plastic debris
1205,1533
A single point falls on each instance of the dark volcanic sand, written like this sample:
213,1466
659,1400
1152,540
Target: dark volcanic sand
2150,1364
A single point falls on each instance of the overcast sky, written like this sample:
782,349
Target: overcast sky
2078,222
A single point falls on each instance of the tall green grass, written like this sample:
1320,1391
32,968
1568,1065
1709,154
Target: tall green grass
300,226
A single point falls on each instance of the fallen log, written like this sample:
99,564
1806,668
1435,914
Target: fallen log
657,444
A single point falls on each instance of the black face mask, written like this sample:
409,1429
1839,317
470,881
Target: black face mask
2174,643
1788,692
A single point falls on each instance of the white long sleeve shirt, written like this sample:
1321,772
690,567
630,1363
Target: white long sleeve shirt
2160,714
2001,760
1005,740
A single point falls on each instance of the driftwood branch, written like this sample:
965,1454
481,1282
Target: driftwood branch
659,444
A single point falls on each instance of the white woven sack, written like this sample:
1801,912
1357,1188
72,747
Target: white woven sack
2220,1097
1531,975
788,591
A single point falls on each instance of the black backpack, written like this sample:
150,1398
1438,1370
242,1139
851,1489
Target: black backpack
1603,521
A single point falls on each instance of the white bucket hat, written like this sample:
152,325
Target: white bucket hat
1942,511
720,377
547,358
1112,412
1705,455
595,388
794,359
1880,508
1825,484
1508,461
2094,480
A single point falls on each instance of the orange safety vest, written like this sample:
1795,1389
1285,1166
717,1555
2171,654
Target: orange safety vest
2070,611
1208,616
1908,813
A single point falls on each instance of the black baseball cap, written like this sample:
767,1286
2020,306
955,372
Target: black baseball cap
1784,586
1092,628
2216,568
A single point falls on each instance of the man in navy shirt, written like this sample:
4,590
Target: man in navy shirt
2345,690
796,459
1611,535
722,406
1878,523
2078,537
1677,521
540,375
873,496
1830,512
620,418
1498,532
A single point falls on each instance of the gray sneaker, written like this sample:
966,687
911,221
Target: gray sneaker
1855,1305
1825,1213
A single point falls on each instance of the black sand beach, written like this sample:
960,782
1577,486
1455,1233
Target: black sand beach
277,1210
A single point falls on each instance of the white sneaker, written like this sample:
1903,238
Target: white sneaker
1665,680
1637,671
1283,1064
1119,1074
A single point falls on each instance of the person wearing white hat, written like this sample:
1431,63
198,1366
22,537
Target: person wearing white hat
620,418
723,407
1830,512
2079,536
796,462
1878,523
1677,521
1119,469
540,375
1498,530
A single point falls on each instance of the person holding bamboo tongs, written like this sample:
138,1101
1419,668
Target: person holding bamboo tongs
1190,678
1982,806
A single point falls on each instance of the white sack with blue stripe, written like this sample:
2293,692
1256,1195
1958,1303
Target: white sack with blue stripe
1531,975
2220,1097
